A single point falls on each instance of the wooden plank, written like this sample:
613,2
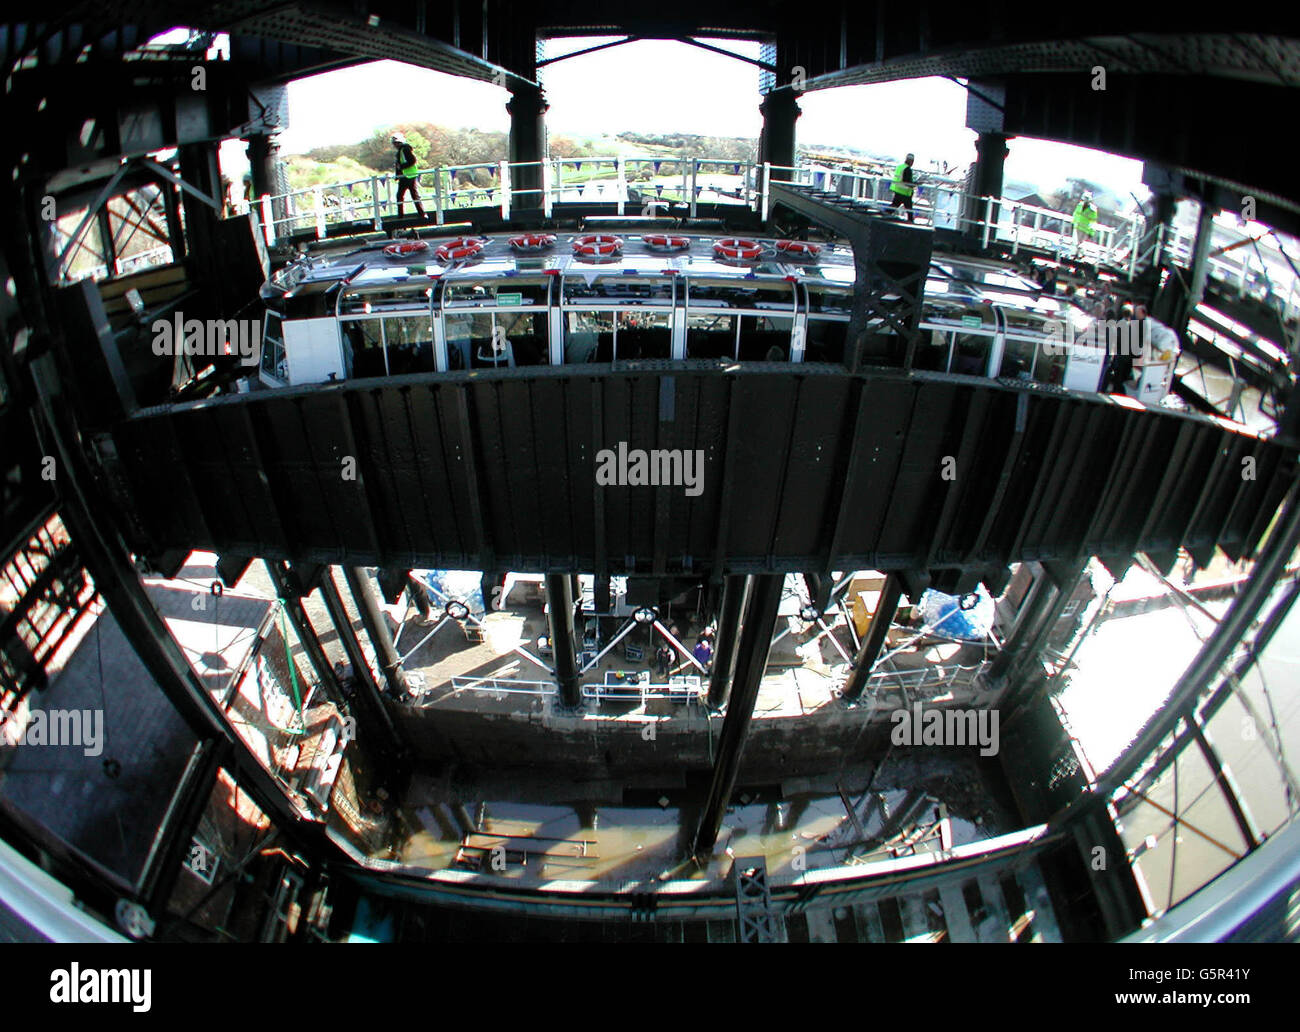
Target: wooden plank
821,925
142,281
997,928
722,931
915,926
869,927
557,849
1039,901
955,915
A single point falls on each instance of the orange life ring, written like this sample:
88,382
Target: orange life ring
599,244
664,242
461,247
734,247
798,247
532,241
406,247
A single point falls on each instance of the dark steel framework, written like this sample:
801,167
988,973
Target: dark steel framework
812,470
808,470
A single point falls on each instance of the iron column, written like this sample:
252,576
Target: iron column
372,619
559,597
367,690
297,615
724,658
886,607
755,643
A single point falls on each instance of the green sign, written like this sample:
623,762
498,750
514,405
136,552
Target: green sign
510,299
971,320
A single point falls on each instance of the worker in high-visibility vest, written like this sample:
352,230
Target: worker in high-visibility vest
407,168
901,186
1085,219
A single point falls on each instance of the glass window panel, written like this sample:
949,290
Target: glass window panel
642,335
971,353
958,311
1017,359
469,335
830,300
363,348
527,335
1187,854
710,334
1252,759
273,358
366,302
409,340
932,353
1021,321
1050,367
826,340
636,290
512,291
588,337
742,293
765,338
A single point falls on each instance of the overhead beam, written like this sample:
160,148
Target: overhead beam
586,50
764,65
882,434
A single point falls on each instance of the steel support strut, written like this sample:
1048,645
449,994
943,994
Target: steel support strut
755,643
881,620
302,626
559,597
724,659
109,564
372,706
1215,653
372,619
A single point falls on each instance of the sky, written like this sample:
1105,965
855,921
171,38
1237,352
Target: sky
656,86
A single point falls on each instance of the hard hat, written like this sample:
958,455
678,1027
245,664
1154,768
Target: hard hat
399,137
1087,195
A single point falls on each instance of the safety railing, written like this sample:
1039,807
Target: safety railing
679,688
650,185
653,185
944,203
644,186
496,686
943,677
1245,263
690,688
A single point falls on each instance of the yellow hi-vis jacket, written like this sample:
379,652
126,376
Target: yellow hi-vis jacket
409,171
897,185
1084,217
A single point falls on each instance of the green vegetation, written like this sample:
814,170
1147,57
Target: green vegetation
438,146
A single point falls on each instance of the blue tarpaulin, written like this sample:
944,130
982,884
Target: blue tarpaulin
945,616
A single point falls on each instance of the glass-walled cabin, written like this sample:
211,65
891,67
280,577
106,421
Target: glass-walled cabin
618,317
381,325
496,323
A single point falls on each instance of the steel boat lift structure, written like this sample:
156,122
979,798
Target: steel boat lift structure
824,391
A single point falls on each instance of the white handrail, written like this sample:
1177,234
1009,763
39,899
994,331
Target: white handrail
1257,268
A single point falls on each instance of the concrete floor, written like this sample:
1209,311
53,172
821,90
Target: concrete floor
605,831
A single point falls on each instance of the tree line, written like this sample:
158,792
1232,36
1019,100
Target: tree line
436,145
